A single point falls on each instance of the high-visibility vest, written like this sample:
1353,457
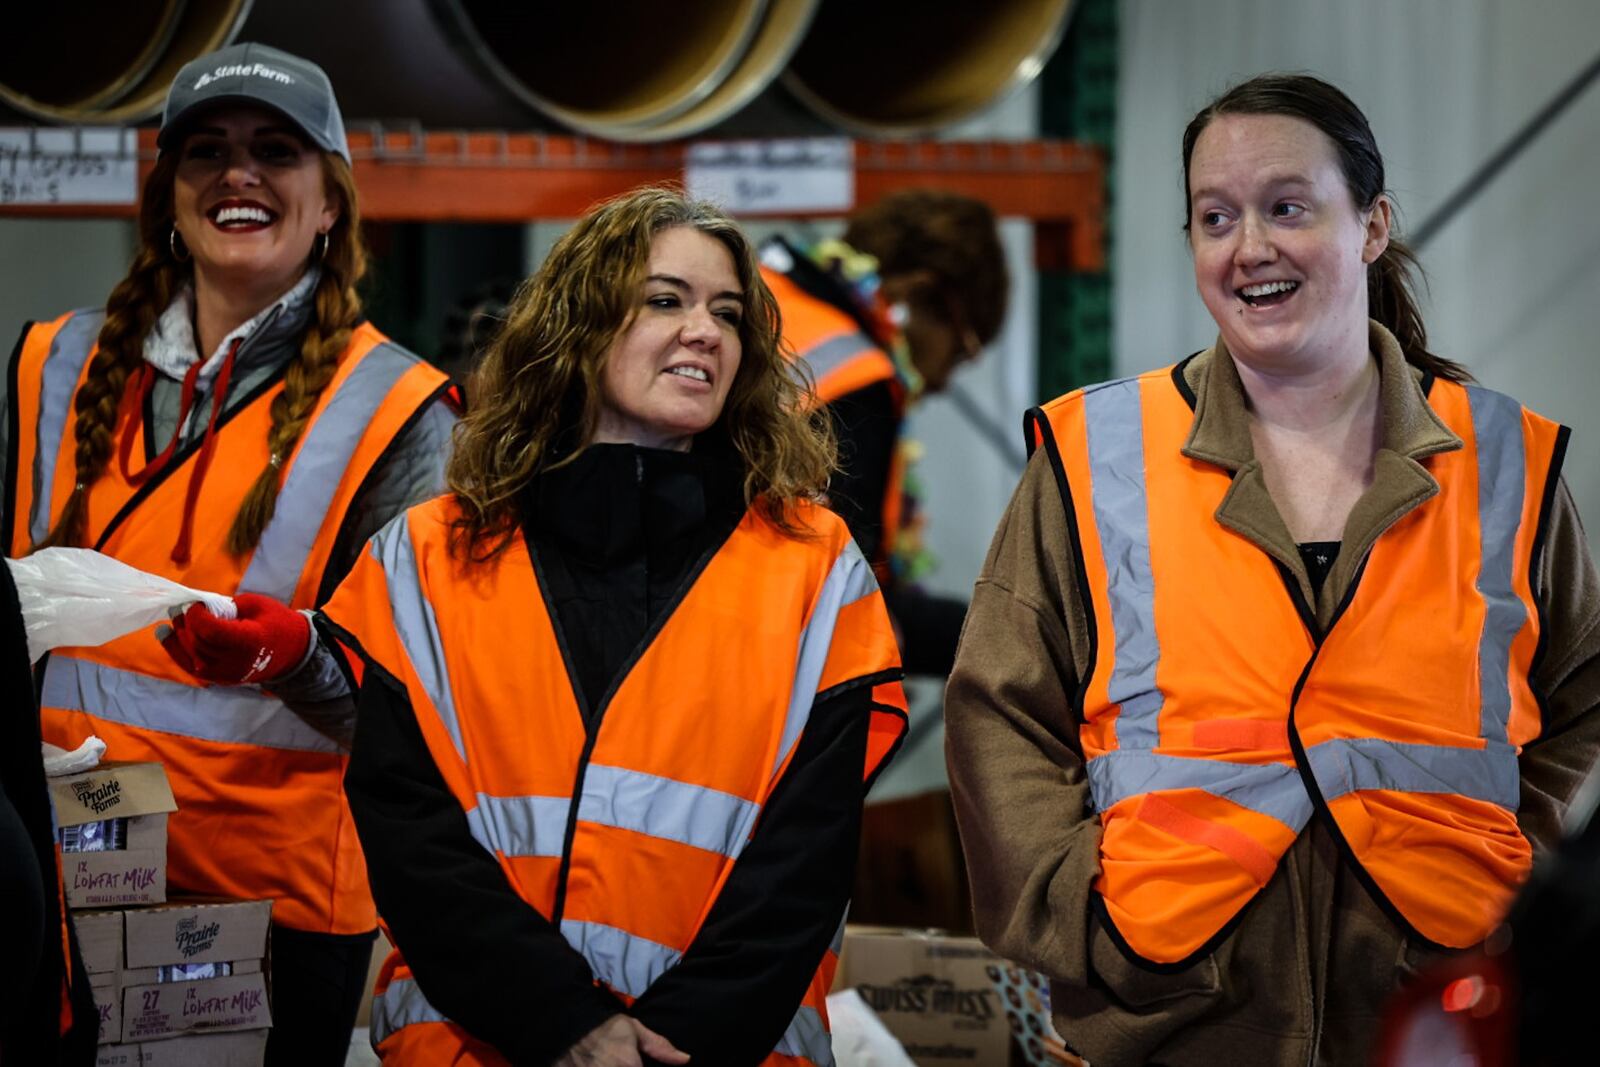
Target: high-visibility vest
261,809
689,748
1217,719
842,359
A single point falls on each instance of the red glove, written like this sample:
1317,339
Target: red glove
266,641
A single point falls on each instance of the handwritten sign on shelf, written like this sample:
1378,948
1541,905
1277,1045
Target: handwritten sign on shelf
800,174
76,165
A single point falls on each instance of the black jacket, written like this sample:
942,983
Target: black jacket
619,535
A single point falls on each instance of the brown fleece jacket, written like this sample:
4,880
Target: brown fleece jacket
1303,976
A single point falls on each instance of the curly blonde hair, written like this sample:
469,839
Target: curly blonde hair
538,393
149,288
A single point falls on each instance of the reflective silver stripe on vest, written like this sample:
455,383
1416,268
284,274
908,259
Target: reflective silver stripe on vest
807,1037
1347,765
520,826
622,961
69,351
661,807
318,469
829,355
849,580
225,713
401,1004
1272,789
837,944
414,621
1115,421
1502,477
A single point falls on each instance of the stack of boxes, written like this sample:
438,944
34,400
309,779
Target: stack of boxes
178,984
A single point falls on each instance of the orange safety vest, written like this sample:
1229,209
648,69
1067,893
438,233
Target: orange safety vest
841,359
1218,719
672,785
260,802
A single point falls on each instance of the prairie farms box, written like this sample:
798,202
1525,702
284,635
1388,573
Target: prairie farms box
113,827
195,967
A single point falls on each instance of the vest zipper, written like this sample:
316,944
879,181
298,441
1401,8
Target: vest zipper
593,723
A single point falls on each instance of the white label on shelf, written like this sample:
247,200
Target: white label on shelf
78,165
772,177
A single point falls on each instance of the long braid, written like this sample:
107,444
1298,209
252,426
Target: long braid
338,307
131,310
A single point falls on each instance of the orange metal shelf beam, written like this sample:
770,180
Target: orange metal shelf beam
411,175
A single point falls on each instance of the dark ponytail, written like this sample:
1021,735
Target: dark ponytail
1392,280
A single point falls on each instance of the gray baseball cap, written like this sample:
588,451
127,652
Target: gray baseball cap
262,76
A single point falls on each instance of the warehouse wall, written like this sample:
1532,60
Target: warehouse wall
48,266
1514,279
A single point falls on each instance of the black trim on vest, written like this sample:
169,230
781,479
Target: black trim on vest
1319,802
1428,378
893,674
1102,914
323,622
347,526
1552,480
182,456
1053,450
335,639
894,749
592,724
1183,383
1296,597
8,506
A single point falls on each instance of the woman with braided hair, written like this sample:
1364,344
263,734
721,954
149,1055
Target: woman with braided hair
229,421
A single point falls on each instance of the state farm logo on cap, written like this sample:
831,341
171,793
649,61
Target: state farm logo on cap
247,70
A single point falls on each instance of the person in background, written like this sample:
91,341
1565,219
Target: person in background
229,421
915,288
1285,659
625,685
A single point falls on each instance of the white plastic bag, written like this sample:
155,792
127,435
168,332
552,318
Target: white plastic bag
76,596
859,1037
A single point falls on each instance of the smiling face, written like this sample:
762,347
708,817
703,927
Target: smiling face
249,202
1280,248
668,371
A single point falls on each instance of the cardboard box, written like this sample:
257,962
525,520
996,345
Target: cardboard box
932,991
116,1056
228,935
207,1005
197,931
135,872
245,1049
100,940
107,992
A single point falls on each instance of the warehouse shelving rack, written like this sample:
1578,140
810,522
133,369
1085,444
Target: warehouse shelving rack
409,174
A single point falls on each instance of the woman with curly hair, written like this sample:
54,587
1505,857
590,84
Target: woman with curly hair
229,421
625,685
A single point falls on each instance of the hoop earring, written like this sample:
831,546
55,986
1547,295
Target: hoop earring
322,249
175,242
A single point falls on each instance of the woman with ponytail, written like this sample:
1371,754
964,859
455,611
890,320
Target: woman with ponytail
229,421
1285,659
